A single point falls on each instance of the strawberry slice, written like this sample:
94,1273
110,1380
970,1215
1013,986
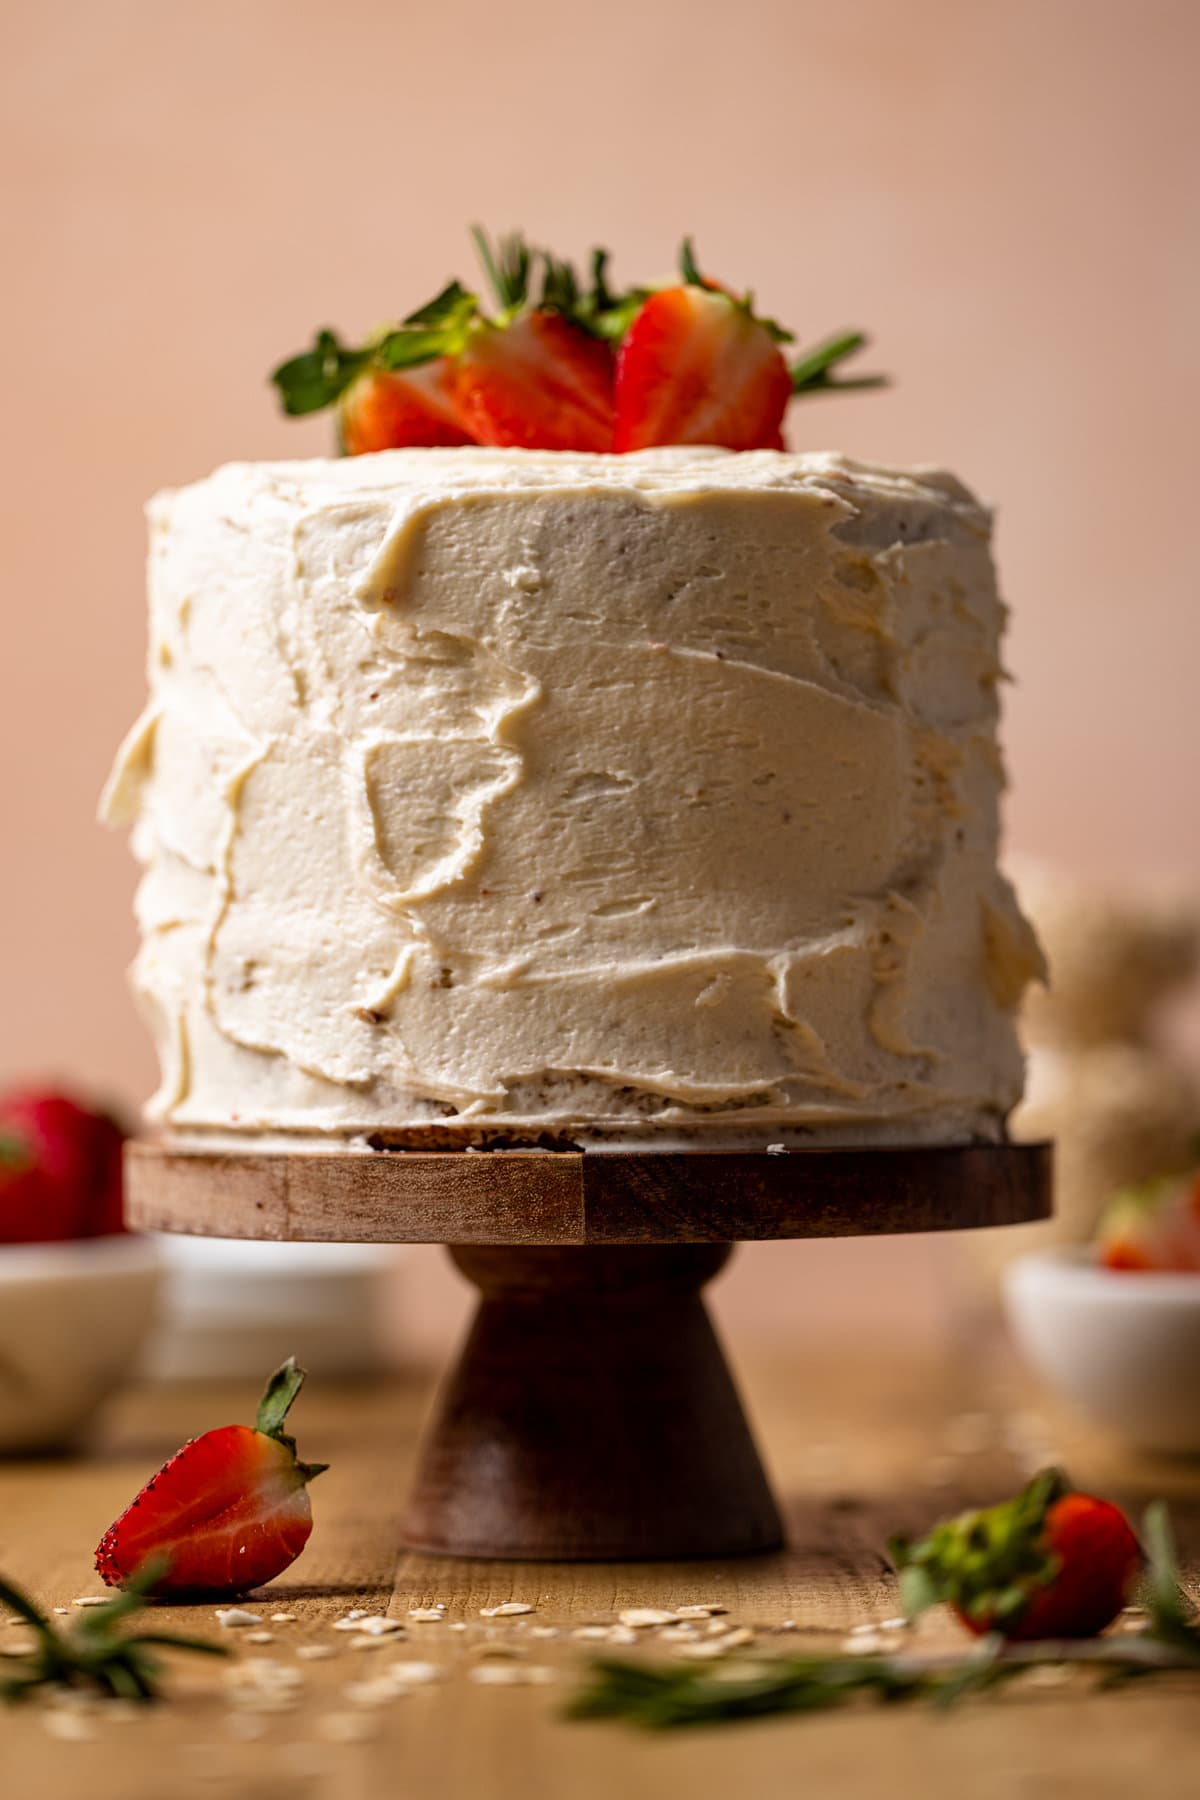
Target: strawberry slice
1153,1227
227,1513
1050,1563
697,367
539,383
385,410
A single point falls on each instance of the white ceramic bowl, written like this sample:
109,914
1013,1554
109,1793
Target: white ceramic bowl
234,1308
73,1317
1122,1347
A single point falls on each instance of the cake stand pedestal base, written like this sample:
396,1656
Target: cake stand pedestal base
591,1414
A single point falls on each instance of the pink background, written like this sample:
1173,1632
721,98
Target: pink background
1004,195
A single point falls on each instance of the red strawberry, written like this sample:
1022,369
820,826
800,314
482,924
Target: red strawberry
33,1210
394,410
1155,1226
697,367
539,383
227,1513
60,1170
1052,1563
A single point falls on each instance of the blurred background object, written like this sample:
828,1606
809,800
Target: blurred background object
234,1309
1001,196
1106,1080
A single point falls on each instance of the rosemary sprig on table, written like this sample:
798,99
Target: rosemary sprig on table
660,1698
93,1652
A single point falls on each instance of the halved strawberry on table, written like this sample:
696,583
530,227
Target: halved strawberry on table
1155,1226
227,1513
1050,1563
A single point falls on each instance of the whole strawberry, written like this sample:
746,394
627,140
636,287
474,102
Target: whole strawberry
227,1513
1155,1226
1051,1563
60,1169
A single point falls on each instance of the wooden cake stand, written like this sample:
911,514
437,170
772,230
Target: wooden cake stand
591,1414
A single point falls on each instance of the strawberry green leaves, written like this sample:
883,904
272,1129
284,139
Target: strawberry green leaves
278,1397
814,372
316,378
321,376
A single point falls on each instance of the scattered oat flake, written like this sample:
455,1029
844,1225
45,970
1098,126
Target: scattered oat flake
416,1674
508,1609
677,1634
282,1618
259,1684
593,1634
62,1609
345,1728
702,1650
92,1600
427,1615
246,1727
700,1610
639,1618
865,1643
511,1674
260,1637
380,1692
315,1652
776,1149
230,1617
69,1726
543,1631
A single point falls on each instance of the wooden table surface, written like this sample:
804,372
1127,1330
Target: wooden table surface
859,1447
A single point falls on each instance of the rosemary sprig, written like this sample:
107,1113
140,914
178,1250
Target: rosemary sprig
92,1652
661,1698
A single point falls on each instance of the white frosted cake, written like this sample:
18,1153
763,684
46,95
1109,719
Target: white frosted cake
518,796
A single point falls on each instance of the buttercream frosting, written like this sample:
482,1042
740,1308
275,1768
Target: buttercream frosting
504,792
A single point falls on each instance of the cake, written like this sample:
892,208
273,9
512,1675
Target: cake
494,796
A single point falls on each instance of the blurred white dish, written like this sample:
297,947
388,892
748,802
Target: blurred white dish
73,1316
1123,1347
238,1308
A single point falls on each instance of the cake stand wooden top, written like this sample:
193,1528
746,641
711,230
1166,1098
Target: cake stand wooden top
582,1197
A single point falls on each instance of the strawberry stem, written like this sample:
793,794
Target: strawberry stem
277,1400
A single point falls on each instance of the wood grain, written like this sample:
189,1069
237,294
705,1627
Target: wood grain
573,1197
